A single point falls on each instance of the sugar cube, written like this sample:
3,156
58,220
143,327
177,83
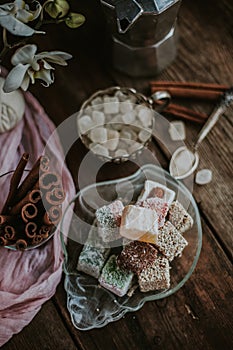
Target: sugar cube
126,107
97,103
203,177
98,118
98,135
145,116
113,139
177,130
144,135
85,123
129,117
99,149
111,105
121,153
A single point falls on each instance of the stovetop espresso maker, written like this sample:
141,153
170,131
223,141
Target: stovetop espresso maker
144,34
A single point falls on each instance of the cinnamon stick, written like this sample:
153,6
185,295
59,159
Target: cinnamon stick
30,180
55,197
7,219
32,197
53,215
49,180
46,219
44,163
15,180
37,239
31,229
28,212
3,241
192,90
184,112
21,244
9,233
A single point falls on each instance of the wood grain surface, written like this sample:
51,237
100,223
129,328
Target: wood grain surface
199,315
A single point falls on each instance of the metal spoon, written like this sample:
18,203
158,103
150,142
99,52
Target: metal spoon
184,161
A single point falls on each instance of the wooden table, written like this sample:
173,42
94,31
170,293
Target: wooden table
199,315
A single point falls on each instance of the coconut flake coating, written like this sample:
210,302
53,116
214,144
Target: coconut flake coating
114,278
155,277
136,256
170,242
179,217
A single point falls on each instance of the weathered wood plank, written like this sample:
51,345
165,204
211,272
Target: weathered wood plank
46,331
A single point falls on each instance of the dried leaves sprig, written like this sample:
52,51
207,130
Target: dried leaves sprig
28,64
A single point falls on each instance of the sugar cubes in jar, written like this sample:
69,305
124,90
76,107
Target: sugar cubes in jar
116,123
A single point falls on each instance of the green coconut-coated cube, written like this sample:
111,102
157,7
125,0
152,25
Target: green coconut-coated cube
93,255
114,278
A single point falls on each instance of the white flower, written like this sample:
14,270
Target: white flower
30,66
13,17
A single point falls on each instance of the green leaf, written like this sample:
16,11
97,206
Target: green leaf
57,8
74,20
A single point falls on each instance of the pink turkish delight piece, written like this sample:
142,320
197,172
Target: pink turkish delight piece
154,189
159,205
116,209
109,220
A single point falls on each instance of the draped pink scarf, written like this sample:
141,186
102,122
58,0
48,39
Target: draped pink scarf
29,278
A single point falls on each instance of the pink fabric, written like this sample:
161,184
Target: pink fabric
29,278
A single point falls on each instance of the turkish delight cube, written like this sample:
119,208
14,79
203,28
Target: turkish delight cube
138,222
114,278
156,276
136,256
154,189
93,255
179,217
157,204
109,219
170,242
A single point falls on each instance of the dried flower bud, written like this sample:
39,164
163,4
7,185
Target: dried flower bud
74,20
57,8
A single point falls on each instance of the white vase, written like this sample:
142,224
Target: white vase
12,107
